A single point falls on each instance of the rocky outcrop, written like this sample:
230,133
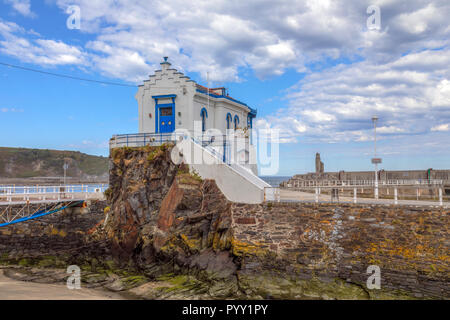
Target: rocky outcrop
166,220
57,240
170,224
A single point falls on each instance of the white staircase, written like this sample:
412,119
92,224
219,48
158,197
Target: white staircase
236,182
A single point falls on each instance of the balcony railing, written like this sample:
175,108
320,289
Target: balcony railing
141,139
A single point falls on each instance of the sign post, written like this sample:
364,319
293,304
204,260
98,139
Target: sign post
375,160
65,167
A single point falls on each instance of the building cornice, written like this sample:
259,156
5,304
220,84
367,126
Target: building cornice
224,99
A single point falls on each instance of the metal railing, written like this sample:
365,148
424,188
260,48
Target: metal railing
245,173
270,193
213,145
141,139
335,197
361,183
157,139
217,142
10,193
219,145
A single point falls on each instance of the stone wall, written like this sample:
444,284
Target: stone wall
334,243
57,239
166,220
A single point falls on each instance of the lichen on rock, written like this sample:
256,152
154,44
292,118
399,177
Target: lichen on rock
168,222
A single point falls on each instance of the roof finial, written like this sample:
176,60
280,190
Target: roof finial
165,59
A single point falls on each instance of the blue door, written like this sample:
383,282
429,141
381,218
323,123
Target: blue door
166,119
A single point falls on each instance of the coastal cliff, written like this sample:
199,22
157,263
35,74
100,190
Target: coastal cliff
167,221
170,224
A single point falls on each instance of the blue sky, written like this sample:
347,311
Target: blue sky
313,69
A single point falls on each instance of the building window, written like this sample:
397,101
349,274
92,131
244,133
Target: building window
249,122
203,115
165,111
229,120
236,122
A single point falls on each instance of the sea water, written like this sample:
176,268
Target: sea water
275,181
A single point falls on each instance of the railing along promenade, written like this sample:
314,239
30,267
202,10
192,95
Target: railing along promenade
362,183
336,185
18,194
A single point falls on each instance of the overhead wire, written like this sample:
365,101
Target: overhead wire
73,77
66,75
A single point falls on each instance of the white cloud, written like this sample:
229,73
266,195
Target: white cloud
440,95
402,73
38,51
441,127
418,21
317,116
120,63
268,37
224,36
337,104
390,129
21,6
285,134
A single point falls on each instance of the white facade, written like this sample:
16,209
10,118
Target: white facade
169,100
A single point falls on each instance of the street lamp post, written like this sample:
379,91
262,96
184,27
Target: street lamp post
65,166
375,160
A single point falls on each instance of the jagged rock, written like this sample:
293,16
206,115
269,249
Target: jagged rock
187,220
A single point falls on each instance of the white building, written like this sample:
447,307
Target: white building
170,100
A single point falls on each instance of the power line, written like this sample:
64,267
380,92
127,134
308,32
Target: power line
67,76
75,78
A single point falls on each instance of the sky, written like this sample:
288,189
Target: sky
315,70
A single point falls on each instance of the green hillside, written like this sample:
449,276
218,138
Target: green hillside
28,163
